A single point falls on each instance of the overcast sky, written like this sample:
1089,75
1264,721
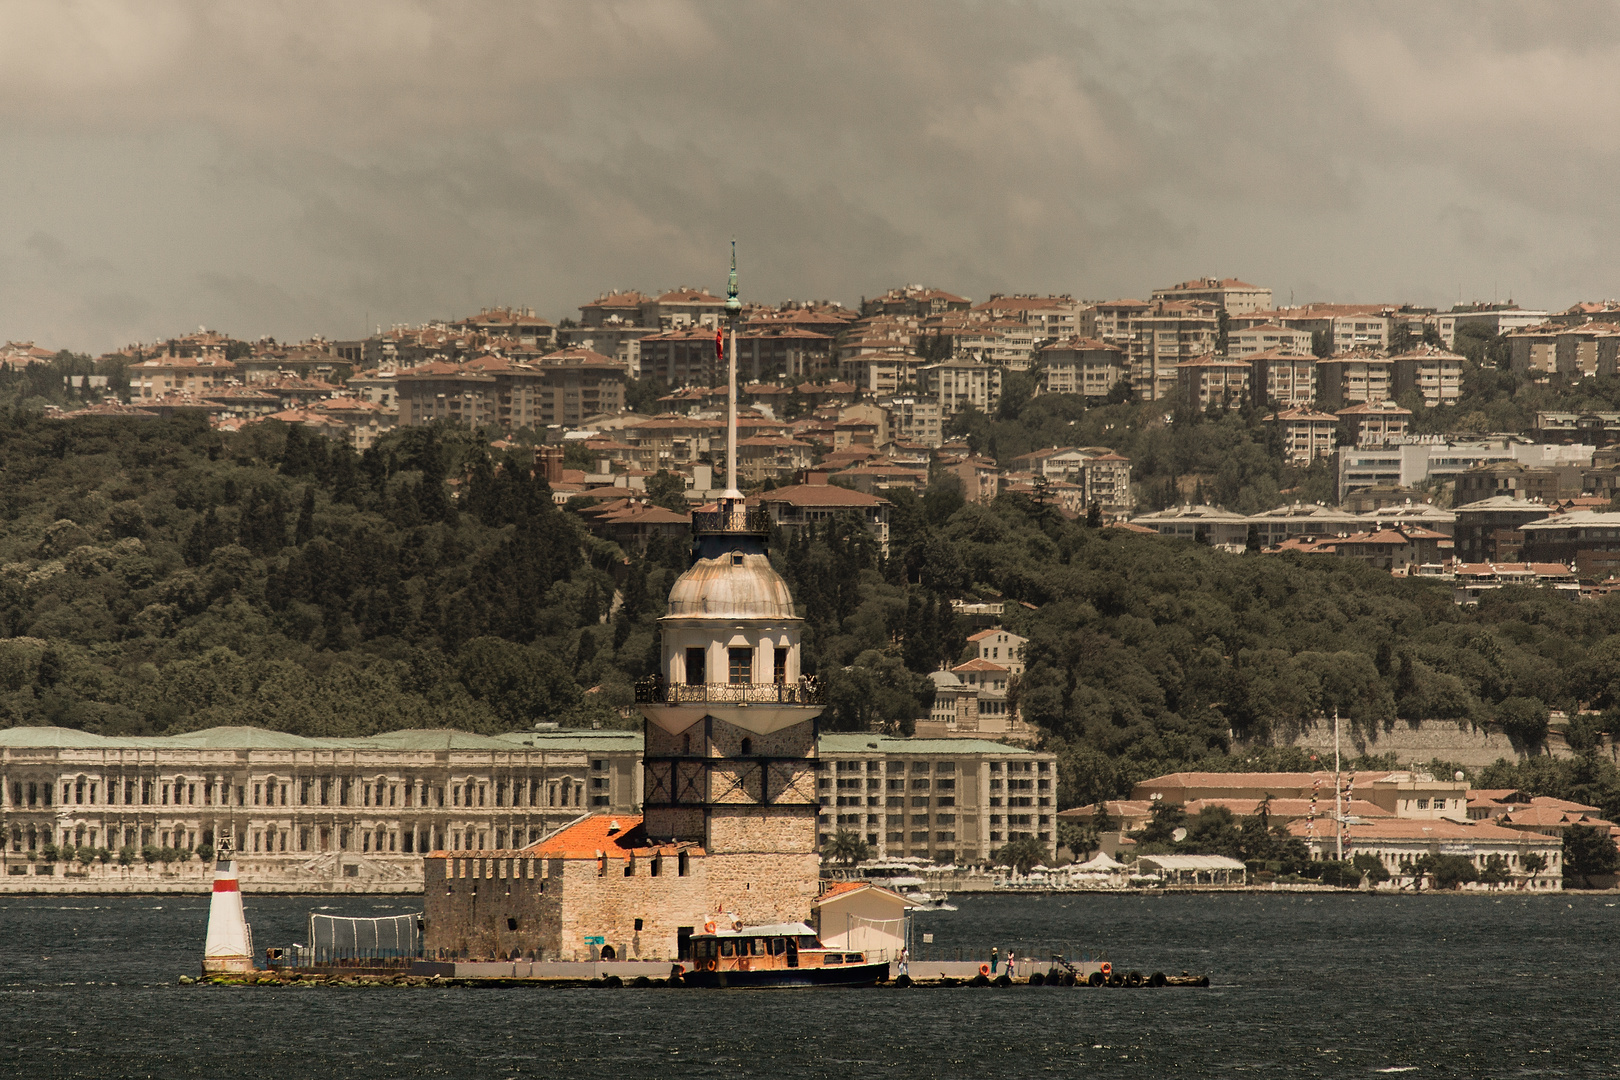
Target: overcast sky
301,168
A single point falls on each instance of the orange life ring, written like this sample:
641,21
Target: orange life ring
984,969
708,965
708,927
1107,968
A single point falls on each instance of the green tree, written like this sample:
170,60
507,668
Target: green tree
1588,851
847,847
1370,867
667,490
1022,854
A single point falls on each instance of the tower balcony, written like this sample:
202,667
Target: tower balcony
656,690
757,707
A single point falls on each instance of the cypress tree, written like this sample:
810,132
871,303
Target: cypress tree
305,530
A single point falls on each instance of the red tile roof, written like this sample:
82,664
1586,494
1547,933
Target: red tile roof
612,836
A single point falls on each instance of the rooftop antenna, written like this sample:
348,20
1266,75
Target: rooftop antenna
733,310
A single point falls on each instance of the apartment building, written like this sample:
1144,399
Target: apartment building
915,419
1589,540
1410,463
1229,294
563,387
1306,434
1212,380
1116,319
956,384
1053,318
445,391
1282,379
1008,343
1375,423
1207,524
915,301
771,457
951,800
1106,479
1080,365
1575,351
802,506
1344,327
681,356
520,325
1435,374
285,799
883,373
150,379
1351,378
1162,338
1267,338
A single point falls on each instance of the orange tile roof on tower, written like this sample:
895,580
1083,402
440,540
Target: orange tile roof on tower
598,836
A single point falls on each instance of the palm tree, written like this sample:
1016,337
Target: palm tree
846,847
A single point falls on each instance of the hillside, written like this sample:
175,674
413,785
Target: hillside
159,576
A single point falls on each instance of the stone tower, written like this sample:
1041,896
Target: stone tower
730,733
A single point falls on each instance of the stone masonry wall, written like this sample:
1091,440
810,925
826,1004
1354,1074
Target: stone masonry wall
603,900
492,906
1416,743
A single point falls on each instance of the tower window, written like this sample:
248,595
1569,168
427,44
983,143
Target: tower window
741,665
747,747
781,666
694,667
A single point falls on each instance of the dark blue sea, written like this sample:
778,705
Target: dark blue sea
1303,985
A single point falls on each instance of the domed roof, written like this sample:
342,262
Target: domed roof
733,585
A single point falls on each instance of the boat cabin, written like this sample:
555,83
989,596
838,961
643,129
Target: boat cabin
758,948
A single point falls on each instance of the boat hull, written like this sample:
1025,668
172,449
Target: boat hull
835,975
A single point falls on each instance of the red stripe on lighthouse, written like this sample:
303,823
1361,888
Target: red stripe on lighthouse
226,885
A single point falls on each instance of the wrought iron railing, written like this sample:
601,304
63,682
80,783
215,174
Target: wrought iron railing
658,691
752,520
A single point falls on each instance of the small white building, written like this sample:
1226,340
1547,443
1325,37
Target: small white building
862,917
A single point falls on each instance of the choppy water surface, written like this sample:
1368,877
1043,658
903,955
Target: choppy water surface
1304,985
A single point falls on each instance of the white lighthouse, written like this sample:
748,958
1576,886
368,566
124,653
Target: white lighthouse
731,739
229,946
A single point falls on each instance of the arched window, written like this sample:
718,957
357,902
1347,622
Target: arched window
747,747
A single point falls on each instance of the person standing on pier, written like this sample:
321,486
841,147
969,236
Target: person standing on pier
995,958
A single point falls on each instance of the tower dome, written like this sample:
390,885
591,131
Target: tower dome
732,585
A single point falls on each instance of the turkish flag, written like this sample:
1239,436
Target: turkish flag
720,345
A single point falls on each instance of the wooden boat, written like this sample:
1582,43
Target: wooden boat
781,954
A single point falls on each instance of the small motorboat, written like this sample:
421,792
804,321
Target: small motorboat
780,954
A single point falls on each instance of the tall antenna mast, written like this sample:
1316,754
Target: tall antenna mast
1338,788
733,310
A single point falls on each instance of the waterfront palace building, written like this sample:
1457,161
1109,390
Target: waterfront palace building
285,798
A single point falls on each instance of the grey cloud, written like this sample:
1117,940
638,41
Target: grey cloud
279,168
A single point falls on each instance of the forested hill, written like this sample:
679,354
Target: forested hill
159,576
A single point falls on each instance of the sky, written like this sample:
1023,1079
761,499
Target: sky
290,169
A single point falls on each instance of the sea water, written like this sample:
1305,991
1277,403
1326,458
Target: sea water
1302,985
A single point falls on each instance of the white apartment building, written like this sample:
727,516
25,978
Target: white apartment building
1434,373
952,800
1421,458
1083,366
1352,378
1286,380
1267,337
956,384
1231,295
